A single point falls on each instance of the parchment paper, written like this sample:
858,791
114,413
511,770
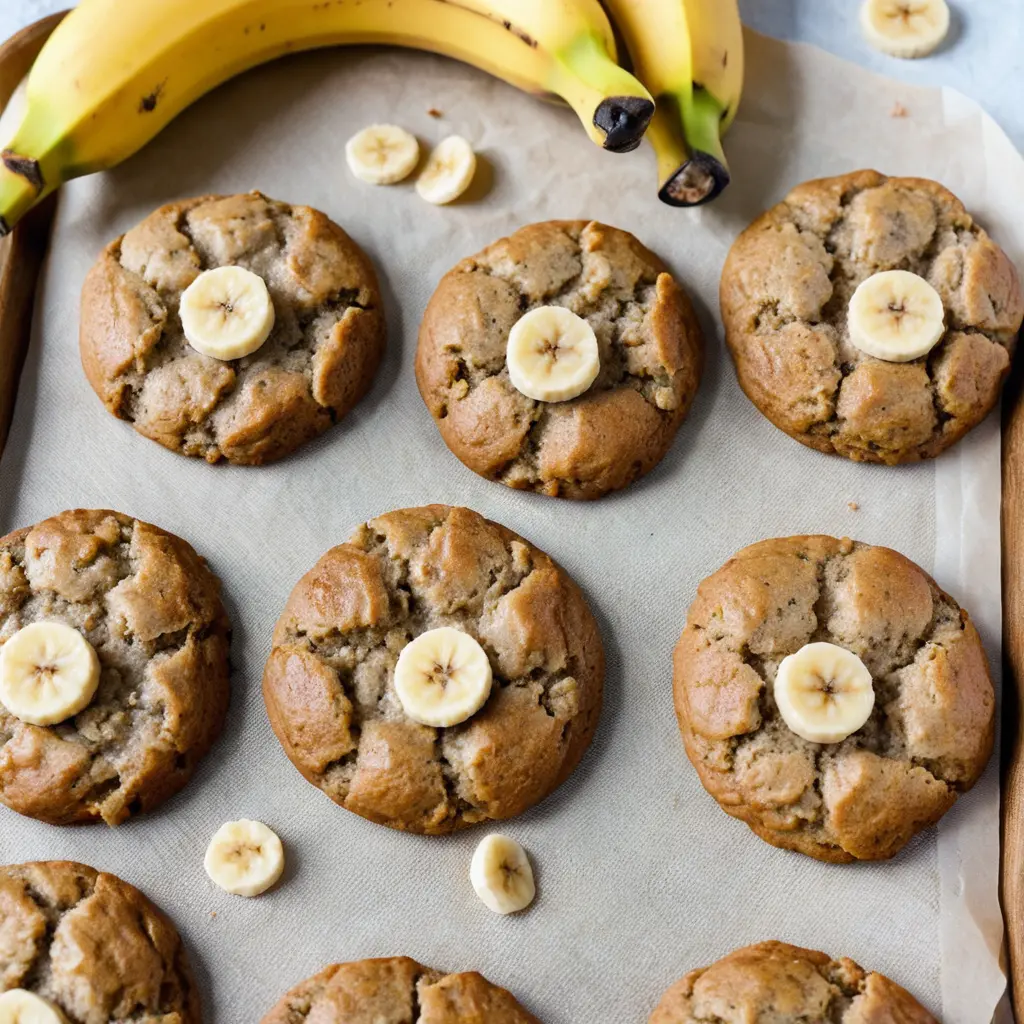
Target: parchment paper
641,876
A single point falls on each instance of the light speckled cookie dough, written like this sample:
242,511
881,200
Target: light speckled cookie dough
773,983
785,289
318,362
151,608
649,342
329,680
93,945
397,990
927,740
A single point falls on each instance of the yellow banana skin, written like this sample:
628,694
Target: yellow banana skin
114,74
689,53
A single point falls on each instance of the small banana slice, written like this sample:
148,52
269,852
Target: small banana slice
227,313
244,858
552,354
48,672
442,677
501,875
895,315
449,171
905,28
19,1006
824,692
382,154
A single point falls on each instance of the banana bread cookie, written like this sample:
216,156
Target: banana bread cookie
92,945
329,683
772,983
930,730
648,342
396,989
785,293
318,361
151,609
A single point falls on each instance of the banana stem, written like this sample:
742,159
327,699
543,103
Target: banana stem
691,163
613,106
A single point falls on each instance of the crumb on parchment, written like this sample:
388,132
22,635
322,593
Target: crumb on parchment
853,506
434,112
898,110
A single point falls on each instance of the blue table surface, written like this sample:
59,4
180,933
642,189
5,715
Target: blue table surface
983,56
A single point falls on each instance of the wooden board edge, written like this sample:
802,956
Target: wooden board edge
21,252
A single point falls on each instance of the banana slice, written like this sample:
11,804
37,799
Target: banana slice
905,28
48,672
442,677
244,858
227,313
552,354
382,154
501,875
896,316
18,1006
449,171
824,692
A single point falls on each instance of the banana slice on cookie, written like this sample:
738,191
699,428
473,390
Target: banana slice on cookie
19,1006
449,171
905,28
501,875
824,692
895,315
552,354
442,677
48,673
382,154
244,858
227,313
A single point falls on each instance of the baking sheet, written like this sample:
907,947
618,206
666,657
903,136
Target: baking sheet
641,876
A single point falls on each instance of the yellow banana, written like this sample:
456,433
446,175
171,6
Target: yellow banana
689,53
113,74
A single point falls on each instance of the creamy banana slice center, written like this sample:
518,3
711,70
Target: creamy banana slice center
48,672
19,1006
905,28
442,677
382,154
449,171
244,858
227,313
824,692
552,354
895,315
501,875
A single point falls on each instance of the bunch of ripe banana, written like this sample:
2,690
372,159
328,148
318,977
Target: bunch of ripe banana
113,74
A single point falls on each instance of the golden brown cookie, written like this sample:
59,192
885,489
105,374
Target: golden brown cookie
650,347
785,289
318,362
773,983
396,989
151,608
92,945
329,681
930,732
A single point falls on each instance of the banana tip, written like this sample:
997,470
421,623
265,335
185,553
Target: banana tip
623,119
697,181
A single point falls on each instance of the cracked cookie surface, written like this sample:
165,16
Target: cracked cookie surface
151,608
329,681
397,990
319,360
785,290
927,740
781,984
650,347
93,945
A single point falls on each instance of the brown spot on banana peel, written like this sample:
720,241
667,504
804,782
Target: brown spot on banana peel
505,24
24,166
148,102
